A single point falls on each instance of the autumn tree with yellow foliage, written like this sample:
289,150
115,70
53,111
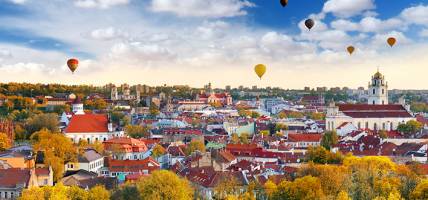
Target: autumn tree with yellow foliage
57,150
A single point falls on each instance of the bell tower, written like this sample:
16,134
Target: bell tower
378,90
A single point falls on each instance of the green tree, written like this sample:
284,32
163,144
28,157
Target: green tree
410,127
136,131
164,184
42,121
329,139
154,110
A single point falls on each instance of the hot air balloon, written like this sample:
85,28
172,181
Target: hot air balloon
351,49
284,2
309,23
73,64
260,70
391,41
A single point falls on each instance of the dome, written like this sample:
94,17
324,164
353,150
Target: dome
377,75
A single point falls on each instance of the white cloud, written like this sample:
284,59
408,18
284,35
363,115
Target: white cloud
416,15
137,51
18,1
213,30
348,8
423,33
109,33
202,8
103,4
369,24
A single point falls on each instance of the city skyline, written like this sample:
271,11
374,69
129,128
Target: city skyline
191,43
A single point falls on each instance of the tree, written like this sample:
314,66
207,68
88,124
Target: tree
343,196
234,138
281,127
329,139
255,115
410,127
125,192
244,138
383,134
270,188
305,188
99,193
154,110
227,186
57,150
195,145
295,115
158,150
164,184
421,191
136,131
282,115
4,142
38,122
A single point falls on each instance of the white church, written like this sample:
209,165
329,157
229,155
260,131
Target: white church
376,115
88,126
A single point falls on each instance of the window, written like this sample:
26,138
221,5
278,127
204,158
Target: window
383,91
383,102
375,126
374,102
89,140
359,125
367,125
374,91
383,126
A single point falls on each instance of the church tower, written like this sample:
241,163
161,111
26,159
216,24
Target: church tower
378,90
114,95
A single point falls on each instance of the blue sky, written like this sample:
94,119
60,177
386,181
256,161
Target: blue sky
195,41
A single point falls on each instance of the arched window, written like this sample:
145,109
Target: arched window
89,140
374,91
367,125
375,127
374,102
383,102
359,125
383,126
383,91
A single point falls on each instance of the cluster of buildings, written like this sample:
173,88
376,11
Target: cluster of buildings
244,147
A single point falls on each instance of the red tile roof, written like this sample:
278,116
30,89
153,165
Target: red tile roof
9,178
148,164
88,123
300,137
126,144
42,171
374,111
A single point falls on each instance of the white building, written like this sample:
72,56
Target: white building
376,115
89,127
90,161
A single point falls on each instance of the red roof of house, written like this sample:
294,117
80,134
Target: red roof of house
374,111
9,178
88,123
42,171
300,137
148,164
126,144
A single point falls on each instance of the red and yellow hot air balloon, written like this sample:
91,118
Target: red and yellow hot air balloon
72,64
260,70
391,41
350,49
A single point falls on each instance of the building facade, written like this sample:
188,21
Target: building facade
376,115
